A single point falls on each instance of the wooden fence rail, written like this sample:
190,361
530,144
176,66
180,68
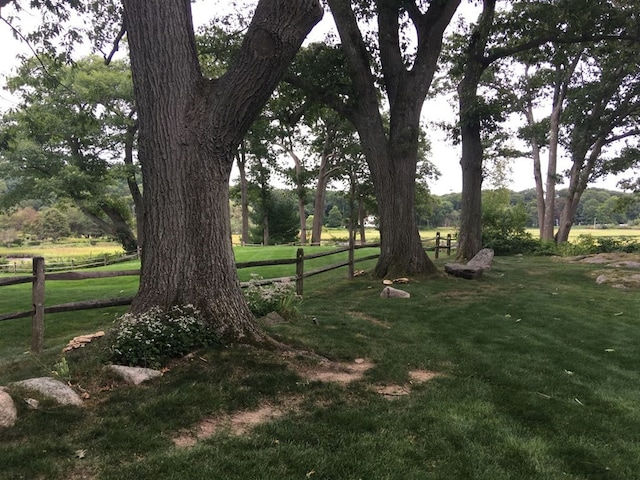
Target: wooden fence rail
39,278
447,246
102,261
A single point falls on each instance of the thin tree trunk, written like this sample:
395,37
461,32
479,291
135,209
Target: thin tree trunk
363,239
559,95
132,182
318,210
548,224
300,195
578,182
241,160
537,167
321,191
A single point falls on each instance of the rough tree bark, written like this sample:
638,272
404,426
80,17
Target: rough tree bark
189,129
392,153
470,237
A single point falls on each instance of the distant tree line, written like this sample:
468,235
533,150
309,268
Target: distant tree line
597,206
35,221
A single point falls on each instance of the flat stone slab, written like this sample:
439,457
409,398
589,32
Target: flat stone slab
51,388
473,268
463,271
8,411
482,259
134,375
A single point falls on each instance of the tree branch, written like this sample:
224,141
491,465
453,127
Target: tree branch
502,52
116,43
324,96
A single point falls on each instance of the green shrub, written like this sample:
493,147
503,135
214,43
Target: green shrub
503,225
510,244
277,297
587,244
152,338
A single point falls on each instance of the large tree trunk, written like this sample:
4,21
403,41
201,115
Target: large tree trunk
392,154
401,250
470,235
189,131
470,238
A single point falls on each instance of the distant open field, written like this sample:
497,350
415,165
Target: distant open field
81,248
73,248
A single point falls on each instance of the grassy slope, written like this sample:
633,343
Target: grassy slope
529,389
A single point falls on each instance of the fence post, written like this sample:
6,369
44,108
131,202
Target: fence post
448,244
300,271
351,255
437,244
37,296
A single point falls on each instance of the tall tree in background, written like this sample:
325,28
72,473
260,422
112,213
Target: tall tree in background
189,131
523,27
391,151
603,112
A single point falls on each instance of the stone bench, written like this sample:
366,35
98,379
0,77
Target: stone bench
473,268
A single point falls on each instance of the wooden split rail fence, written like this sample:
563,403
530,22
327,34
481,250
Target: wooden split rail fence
439,246
39,277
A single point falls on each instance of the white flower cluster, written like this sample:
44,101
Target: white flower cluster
155,335
263,299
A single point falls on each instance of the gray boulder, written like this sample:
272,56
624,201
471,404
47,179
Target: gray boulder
53,389
134,375
8,411
390,292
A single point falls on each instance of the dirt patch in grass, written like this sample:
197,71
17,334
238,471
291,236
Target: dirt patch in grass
335,372
416,377
370,319
238,423
242,422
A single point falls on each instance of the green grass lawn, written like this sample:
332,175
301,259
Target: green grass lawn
537,379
